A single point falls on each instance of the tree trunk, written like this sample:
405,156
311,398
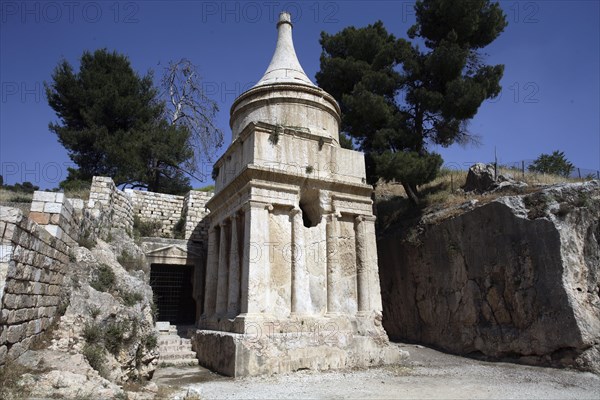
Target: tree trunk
154,186
411,192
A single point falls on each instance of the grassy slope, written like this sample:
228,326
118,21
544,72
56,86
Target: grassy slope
395,212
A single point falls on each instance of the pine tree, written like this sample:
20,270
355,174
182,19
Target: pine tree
397,99
112,125
555,163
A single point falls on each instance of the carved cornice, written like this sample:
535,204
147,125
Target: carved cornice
296,87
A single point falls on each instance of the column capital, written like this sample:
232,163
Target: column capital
367,218
223,223
257,205
295,211
333,216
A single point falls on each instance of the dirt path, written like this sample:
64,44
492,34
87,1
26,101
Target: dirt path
429,374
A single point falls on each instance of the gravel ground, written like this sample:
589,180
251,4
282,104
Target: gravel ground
428,374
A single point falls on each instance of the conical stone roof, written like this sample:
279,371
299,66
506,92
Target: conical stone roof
284,66
285,96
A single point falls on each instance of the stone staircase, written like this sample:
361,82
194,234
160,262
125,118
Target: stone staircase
172,347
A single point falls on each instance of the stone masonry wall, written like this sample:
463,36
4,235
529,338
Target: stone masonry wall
34,256
104,194
165,208
34,250
195,211
57,214
169,210
33,265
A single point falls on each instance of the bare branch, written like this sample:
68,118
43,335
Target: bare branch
189,107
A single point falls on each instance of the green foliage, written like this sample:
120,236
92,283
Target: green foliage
555,164
25,187
86,240
10,374
179,229
74,184
111,124
583,200
94,354
104,279
397,99
94,311
408,166
346,142
131,298
114,336
154,311
92,332
150,341
207,188
146,228
131,262
537,204
21,199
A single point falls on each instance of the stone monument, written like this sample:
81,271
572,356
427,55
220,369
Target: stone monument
291,275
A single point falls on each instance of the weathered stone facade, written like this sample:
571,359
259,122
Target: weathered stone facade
32,270
291,274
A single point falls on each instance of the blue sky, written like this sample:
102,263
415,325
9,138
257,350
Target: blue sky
551,51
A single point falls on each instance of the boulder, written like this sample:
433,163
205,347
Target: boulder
56,374
517,278
481,178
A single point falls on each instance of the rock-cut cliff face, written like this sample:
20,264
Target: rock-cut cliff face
517,278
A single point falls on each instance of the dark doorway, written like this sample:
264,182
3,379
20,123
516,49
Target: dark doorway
172,288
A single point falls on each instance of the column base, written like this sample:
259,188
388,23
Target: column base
260,352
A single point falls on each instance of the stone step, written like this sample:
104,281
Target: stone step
174,342
183,361
174,349
171,348
177,355
171,336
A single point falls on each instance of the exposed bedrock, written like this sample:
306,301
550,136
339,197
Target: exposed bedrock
517,278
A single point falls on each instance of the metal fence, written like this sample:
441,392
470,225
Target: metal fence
523,166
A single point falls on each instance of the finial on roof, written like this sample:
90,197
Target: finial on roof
284,66
284,16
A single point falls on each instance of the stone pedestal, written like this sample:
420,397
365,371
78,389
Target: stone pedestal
274,348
